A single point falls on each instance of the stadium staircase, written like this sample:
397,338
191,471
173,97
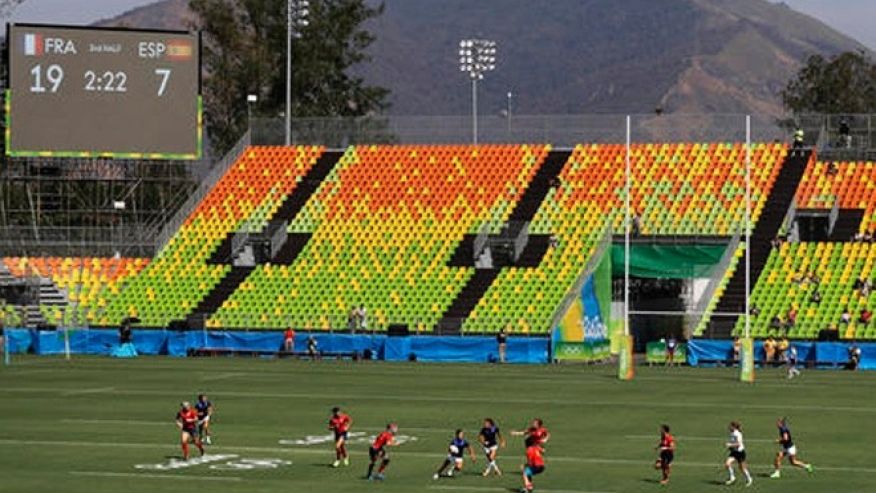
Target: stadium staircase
284,256
846,226
452,320
774,212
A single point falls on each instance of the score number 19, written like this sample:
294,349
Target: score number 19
54,75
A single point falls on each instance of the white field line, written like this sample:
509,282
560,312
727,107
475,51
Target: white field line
323,452
373,397
174,477
499,488
222,376
98,390
125,422
655,439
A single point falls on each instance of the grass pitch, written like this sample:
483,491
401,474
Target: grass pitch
84,426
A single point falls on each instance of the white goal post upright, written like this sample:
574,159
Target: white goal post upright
625,351
747,364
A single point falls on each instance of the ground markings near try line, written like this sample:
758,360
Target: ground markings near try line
500,488
175,477
312,451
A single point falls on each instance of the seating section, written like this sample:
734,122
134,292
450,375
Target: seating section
786,284
85,282
384,225
678,189
171,285
853,183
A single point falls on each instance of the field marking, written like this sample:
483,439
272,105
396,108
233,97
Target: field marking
717,464
372,397
696,439
222,376
154,476
126,422
500,488
98,390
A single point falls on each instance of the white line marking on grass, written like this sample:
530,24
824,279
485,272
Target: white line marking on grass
222,376
695,439
499,488
376,397
174,477
127,422
305,451
99,390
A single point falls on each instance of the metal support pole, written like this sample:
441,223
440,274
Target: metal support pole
474,110
627,227
747,225
289,72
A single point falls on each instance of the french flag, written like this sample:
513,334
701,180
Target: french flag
33,44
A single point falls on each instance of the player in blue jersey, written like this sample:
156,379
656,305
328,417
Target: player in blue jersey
205,411
491,439
455,456
789,450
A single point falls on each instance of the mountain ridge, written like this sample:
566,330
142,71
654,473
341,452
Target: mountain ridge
581,56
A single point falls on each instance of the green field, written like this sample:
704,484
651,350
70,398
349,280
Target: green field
82,426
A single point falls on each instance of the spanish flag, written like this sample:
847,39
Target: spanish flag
180,49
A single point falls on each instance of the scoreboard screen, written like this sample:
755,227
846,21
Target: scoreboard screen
89,92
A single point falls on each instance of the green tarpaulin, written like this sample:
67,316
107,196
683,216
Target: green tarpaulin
667,261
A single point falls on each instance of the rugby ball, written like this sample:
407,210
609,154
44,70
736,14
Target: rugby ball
454,449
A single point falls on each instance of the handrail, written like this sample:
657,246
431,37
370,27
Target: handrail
834,214
718,272
589,268
218,171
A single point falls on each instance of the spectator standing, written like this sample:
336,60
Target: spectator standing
769,350
866,316
637,224
671,346
289,340
799,137
312,347
845,134
854,357
782,349
737,347
363,318
502,341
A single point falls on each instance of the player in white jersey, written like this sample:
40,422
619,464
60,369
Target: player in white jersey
791,360
736,447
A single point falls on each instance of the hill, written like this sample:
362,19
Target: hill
583,56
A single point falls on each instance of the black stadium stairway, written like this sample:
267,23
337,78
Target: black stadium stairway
287,253
768,226
847,224
220,292
524,211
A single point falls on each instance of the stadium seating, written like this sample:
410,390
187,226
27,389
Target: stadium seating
84,281
854,184
384,224
784,284
781,285
679,189
252,189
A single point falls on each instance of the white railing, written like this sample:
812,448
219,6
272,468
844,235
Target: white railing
219,169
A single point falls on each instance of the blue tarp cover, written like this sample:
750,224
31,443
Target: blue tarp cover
833,353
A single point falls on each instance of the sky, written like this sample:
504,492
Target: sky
852,17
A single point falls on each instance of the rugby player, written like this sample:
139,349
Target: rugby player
736,447
455,456
788,450
666,449
205,411
534,464
491,439
536,432
187,422
340,424
379,452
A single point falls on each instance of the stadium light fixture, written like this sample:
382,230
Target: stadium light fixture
251,99
297,18
476,57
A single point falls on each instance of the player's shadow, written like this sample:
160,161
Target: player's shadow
651,480
322,466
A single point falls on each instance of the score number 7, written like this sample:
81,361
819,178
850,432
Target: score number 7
164,73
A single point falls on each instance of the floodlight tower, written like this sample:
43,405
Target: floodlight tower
297,13
476,57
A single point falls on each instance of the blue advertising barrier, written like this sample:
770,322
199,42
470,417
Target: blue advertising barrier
707,352
175,343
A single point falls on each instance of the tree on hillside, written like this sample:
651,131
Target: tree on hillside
245,53
843,84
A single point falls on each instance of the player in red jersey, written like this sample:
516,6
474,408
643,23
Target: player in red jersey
534,464
666,448
340,424
537,433
378,451
187,422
